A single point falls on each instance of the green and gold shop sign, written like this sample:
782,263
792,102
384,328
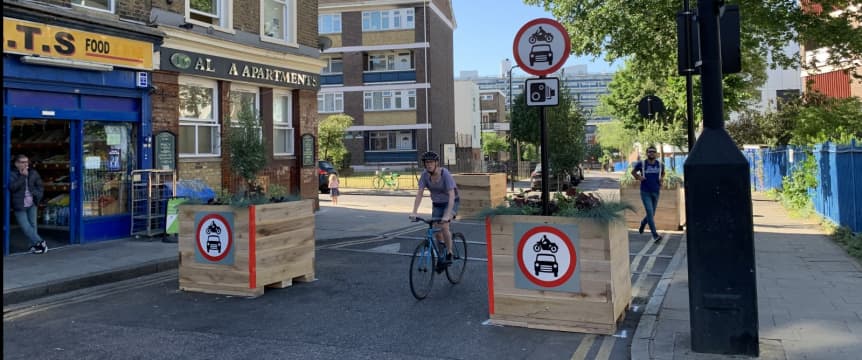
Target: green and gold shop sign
232,69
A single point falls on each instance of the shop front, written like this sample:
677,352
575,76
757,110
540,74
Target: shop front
77,104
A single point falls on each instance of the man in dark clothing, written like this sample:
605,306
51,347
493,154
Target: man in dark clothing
26,188
650,173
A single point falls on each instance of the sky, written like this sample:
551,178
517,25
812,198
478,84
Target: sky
486,30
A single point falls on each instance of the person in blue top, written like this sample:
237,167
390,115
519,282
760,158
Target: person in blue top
650,173
444,197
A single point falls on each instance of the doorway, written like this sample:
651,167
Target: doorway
47,145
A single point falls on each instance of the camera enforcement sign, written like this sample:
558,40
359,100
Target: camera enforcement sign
543,92
546,257
541,46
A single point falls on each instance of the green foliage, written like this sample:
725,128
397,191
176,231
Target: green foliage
614,135
330,135
492,144
849,241
566,129
247,155
627,179
529,152
795,187
570,204
672,180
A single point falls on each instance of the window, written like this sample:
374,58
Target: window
282,123
199,126
330,103
487,97
390,62
242,98
278,22
390,100
329,24
210,12
390,140
387,20
333,66
104,5
109,157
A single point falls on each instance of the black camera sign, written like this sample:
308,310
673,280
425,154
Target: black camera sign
543,92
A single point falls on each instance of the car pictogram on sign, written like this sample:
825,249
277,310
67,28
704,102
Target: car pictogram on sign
546,263
541,53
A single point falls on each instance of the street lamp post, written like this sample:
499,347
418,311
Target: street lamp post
512,159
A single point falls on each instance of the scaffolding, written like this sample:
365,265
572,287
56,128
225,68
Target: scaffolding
151,190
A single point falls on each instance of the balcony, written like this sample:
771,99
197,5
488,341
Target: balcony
388,76
333,79
496,126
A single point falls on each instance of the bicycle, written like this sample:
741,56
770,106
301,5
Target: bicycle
380,181
426,260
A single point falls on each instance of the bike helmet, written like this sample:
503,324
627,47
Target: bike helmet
430,156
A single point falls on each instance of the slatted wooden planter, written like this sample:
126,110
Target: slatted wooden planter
602,267
479,191
270,245
670,214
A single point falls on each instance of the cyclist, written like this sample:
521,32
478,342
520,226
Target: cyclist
444,198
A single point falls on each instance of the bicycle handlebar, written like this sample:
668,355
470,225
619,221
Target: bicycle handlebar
429,222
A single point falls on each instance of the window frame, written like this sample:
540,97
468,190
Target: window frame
336,98
381,96
196,123
390,61
238,87
327,70
112,4
373,20
280,125
334,16
224,14
289,26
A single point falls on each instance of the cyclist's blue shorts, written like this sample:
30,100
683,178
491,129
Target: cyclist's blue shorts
439,209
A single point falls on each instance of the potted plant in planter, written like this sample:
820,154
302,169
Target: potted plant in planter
249,240
670,212
568,271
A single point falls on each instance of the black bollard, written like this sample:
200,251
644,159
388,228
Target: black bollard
720,228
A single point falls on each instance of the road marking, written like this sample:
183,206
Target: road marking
641,279
606,348
16,311
636,261
584,347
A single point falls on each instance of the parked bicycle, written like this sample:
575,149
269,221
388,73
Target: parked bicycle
381,180
428,260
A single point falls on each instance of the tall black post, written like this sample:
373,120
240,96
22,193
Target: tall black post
689,92
546,167
720,229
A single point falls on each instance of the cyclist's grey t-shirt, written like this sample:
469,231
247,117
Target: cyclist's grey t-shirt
439,190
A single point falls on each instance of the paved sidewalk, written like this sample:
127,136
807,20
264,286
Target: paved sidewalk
809,296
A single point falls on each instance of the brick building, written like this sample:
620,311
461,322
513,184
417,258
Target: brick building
389,65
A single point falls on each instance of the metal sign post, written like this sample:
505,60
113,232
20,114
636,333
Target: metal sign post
541,47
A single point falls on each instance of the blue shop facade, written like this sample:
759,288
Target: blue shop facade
76,102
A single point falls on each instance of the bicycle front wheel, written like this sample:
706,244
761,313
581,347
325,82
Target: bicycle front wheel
422,270
455,271
378,183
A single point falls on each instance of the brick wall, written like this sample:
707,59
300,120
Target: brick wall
178,6
354,106
135,10
207,170
356,148
307,104
246,16
307,27
224,114
166,102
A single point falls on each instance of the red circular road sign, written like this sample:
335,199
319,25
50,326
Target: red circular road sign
214,235
541,46
542,243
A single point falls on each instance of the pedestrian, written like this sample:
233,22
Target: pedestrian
26,188
650,173
333,187
444,198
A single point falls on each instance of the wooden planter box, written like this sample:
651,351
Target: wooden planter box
271,245
670,214
603,273
479,191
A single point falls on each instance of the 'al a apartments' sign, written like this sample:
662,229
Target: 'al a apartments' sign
215,66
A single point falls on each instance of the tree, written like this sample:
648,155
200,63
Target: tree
492,144
330,136
246,148
566,132
613,135
645,31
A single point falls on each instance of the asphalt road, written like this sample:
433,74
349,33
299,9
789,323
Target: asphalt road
359,307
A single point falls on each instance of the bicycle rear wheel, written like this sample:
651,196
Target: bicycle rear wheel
455,271
422,270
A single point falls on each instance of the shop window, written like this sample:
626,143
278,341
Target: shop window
282,123
199,125
330,103
278,21
329,24
211,13
103,5
109,158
